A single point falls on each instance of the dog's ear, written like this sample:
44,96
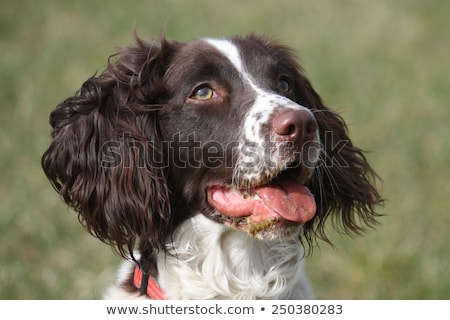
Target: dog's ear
344,183
105,157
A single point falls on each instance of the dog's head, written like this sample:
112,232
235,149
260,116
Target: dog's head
228,128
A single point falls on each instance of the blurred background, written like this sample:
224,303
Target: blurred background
384,65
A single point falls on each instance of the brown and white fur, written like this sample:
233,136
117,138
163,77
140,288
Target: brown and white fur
210,163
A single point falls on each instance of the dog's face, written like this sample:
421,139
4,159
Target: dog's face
228,128
238,135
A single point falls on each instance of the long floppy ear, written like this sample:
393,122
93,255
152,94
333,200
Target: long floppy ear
344,183
105,158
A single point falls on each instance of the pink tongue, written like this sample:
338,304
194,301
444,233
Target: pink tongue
285,198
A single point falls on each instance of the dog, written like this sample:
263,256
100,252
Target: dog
211,166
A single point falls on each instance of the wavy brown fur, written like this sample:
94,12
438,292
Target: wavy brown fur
126,201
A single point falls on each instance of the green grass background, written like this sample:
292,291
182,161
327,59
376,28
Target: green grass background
385,65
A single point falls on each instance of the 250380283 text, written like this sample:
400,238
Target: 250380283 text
281,309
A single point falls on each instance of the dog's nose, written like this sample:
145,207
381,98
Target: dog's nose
298,126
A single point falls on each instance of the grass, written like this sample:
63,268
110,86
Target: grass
383,64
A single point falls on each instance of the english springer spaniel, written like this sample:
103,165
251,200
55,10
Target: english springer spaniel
209,166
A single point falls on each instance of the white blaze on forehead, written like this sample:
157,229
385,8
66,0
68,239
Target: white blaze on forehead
258,117
231,52
265,101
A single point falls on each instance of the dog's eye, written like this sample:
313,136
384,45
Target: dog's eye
203,93
283,85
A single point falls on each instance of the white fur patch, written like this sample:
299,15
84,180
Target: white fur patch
212,261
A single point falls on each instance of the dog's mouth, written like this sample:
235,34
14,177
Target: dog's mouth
283,198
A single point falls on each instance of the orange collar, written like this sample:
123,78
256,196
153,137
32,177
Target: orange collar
146,284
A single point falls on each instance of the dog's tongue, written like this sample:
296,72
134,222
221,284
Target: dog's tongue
284,198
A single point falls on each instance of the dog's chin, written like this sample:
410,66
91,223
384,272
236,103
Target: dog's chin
268,209
268,230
